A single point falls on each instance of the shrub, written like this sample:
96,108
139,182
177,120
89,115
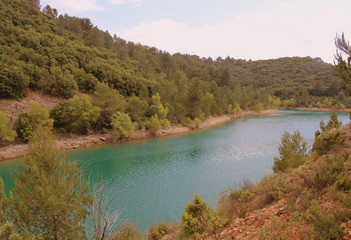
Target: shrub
237,203
60,82
6,132
326,225
293,151
156,232
13,81
75,115
24,127
327,171
327,141
199,219
127,231
122,125
344,183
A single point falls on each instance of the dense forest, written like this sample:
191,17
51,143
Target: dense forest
115,80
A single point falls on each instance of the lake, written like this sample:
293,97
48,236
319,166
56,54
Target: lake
153,179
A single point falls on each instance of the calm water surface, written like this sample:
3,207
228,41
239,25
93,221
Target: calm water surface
154,179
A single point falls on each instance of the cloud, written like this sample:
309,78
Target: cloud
276,33
76,6
118,2
137,3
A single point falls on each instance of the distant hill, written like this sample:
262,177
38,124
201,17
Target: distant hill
60,54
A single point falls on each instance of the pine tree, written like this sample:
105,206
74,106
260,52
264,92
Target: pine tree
50,197
200,220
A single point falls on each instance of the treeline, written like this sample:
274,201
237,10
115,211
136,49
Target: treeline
67,56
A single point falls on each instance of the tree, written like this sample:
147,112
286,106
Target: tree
13,82
293,151
76,115
103,219
6,132
136,108
50,198
333,122
109,101
59,83
24,127
199,219
342,66
40,115
122,125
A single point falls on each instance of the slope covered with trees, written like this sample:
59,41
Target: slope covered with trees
66,56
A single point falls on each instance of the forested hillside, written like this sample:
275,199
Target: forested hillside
64,56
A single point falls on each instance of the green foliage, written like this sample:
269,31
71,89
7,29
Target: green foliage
328,141
24,127
49,199
6,132
199,219
157,232
86,82
326,225
122,125
13,81
343,67
60,83
344,183
293,151
75,115
109,101
40,115
136,108
327,171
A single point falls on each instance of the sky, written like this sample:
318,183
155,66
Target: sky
241,29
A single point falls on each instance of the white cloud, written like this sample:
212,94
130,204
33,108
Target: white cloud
118,2
137,3
271,34
75,6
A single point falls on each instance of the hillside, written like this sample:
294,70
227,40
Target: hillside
311,201
60,54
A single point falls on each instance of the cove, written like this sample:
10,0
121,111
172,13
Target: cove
153,179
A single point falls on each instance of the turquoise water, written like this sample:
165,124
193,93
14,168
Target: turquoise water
153,179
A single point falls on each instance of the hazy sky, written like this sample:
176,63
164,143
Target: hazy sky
247,29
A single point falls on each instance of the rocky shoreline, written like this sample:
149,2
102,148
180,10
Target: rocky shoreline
75,142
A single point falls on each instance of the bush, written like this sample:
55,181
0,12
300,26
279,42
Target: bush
6,132
325,225
156,232
122,125
13,81
60,83
75,115
293,151
127,231
327,171
199,219
327,141
344,183
24,127
237,203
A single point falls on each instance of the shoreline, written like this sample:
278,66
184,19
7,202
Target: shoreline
316,109
12,152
